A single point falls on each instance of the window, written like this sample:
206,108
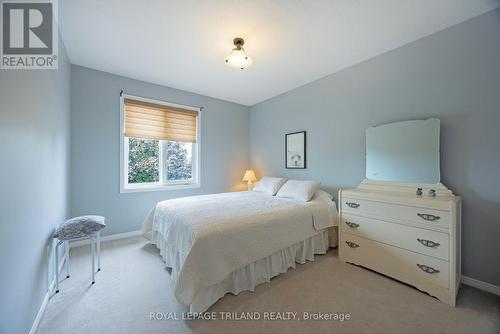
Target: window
159,145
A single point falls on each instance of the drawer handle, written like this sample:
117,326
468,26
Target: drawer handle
428,217
352,225
352,244
352,205
428,243
427,269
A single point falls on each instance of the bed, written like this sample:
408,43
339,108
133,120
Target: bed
231,242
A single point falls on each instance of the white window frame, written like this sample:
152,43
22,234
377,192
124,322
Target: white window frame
161,185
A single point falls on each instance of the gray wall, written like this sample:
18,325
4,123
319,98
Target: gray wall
95,125
453,75
34,189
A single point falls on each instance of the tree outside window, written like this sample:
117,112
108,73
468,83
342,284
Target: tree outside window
144,161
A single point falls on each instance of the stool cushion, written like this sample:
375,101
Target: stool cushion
79,227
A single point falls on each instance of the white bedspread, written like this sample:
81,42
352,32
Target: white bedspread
208,237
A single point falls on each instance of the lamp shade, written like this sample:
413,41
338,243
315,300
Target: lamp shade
238,59
249,176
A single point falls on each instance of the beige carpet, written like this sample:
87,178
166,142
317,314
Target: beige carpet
135,282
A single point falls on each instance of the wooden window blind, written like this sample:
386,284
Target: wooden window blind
155,121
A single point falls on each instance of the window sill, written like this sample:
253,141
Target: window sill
162,187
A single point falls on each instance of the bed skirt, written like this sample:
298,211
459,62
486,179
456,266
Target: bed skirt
261,271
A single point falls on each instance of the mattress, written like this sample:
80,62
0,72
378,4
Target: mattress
206,238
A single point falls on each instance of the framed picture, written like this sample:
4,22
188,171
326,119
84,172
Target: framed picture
295,150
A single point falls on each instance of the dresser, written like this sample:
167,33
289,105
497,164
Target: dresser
386,227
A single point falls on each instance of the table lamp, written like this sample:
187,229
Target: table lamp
249,177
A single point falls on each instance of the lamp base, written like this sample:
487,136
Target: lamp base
250,186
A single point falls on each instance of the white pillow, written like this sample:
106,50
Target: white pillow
269,185
298,190
323,194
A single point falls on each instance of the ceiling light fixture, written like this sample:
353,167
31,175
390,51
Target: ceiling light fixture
238,57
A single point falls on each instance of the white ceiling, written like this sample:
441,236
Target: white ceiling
182,44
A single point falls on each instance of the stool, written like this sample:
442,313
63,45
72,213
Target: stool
79,228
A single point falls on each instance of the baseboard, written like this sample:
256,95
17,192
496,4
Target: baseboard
107,238
46,299
481,285
39,316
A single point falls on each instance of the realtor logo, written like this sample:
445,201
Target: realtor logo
29,35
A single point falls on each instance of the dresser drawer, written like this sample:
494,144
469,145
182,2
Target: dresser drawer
423,216
424,272
418,240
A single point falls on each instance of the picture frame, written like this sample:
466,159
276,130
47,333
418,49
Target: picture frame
295,150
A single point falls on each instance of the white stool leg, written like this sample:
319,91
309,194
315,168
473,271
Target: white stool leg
93,259
56,266
66,244
98,251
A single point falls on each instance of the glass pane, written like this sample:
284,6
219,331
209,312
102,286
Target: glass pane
178,161
143,160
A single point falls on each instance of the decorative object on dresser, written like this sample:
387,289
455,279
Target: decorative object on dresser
388,227
295,150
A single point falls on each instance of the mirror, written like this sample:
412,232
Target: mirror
404,152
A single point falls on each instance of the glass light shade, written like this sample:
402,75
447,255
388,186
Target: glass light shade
238,59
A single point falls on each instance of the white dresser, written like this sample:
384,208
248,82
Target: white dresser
386,227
